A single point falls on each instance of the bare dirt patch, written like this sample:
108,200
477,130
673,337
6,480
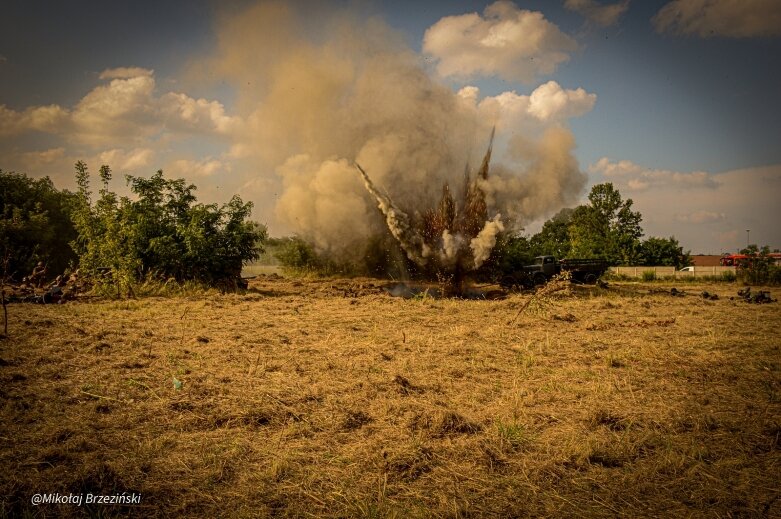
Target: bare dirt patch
331,398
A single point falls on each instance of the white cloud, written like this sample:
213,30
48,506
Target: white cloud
38,118
547,104
187,114
602,15
120,159
126,109
637,178
121,110
190,169
551,102
514,44
126,73
729,18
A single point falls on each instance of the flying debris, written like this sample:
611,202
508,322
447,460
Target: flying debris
399,224
450,239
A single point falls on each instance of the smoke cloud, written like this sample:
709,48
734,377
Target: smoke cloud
315,98
484,242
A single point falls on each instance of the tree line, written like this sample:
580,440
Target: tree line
604,228
162,233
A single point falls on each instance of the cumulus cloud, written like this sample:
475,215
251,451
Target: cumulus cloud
39,118
206,167
551,102
547,104
507,42
120,159
183,113
728,18
125,109
603,15
638,178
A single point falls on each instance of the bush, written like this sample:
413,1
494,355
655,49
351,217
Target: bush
298,255
760,269
35,225
164,234
649,275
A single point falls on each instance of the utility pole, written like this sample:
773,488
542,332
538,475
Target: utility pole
748,231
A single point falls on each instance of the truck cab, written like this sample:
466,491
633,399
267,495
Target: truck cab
545,264
544,268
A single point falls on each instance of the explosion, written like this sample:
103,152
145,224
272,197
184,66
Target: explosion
317,99
452,238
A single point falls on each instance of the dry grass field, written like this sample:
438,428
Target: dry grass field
330,398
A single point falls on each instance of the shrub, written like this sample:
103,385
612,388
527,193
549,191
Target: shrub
649,275
760,268
164,234
296,254
35,225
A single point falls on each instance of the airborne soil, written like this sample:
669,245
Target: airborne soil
330,398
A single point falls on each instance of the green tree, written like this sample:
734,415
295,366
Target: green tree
35,224
554,238
664,251
761,268
510,254
164,233
606,228
297,254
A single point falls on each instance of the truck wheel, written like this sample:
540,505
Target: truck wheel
539,279
590,279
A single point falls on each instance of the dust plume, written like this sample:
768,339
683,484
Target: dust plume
320,94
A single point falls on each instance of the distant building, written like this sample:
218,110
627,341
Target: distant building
706,260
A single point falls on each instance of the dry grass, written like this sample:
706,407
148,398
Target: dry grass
330,398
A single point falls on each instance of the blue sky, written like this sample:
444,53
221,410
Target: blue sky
679,104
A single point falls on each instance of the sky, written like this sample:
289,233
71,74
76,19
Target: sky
676,102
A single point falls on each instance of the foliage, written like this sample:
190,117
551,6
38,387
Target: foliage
760,269
510,254
554,238
161,234
663,252
35,224
297,254
606,228
380,255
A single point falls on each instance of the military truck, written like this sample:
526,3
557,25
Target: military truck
545,267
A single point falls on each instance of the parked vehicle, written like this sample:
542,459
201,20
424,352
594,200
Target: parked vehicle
545,267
